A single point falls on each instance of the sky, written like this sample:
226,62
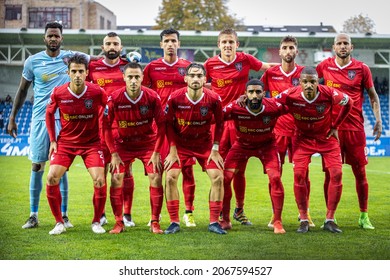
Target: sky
269,12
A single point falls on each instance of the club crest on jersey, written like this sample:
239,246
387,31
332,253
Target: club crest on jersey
295,81
181,70
320,108
143,109
266,119
88,103
238,66
351,74
204,111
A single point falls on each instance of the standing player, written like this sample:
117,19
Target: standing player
80,105
107,72
353,77
134,108
311,105
45,70
165,75
254,128
228,73
190,112
277,79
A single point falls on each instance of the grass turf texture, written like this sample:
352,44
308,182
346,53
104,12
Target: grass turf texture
242,242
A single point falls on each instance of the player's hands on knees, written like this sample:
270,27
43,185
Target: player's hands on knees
156,161
53,148
170,160
115,163
216,157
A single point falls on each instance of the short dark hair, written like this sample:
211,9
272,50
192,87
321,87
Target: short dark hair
112,34
132,65
168,32
289,38
195,65
54,24
254,82
308,70
78,59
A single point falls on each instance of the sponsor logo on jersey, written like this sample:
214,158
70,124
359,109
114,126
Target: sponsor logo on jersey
276,78
143,109
238,66
88,103
100,82
160,83
204,110
124,106
67,101
351,74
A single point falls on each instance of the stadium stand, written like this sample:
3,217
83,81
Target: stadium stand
369,119
23,119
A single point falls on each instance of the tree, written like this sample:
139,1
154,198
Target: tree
196,15
359,24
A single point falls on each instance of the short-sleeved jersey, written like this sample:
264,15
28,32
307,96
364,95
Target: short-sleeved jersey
191,120
165,78
46,72
352,79
107,76
254,129
313,118
228,80
134,118
79,115
276,81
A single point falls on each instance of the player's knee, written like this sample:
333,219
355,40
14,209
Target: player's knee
116,180
39,166
99,182
155,179
52,179
335,174
170,179
300,176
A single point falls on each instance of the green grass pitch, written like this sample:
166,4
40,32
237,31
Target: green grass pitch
255,242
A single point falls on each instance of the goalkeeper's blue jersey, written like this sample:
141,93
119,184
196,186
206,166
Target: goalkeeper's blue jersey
45,73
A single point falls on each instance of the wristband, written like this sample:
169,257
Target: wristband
215,147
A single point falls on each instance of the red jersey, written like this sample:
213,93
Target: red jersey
351,79
276,81
189,122
165,78
313,118
134,119
79,115
109,77
254,129
228,80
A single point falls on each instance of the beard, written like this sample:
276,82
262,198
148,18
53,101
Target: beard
53,48
111,55
254,105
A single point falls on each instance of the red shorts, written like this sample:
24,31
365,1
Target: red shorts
305,147
128,156
238,156
92,156
353,147
188,155
284,144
